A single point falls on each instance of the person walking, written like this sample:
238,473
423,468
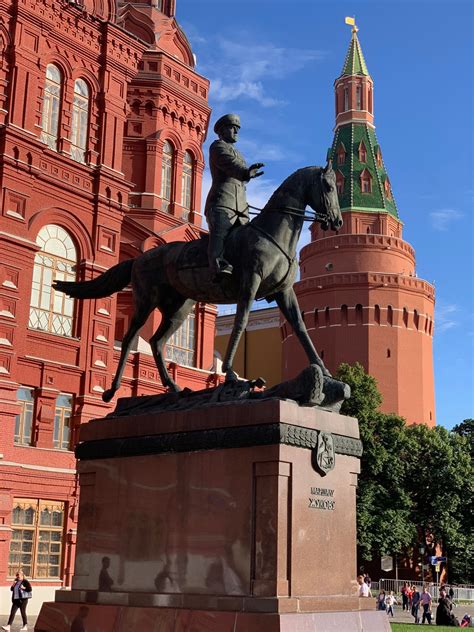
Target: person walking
21,592
426,601
405,591
381,601
415,604
390,601
364,590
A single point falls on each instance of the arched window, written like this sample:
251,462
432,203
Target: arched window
341,154
390,315
416,319
180,347
62,422
362,152
327,317
344,314
50,310
405,317
388,189
166,174
359,98
339,182
366,181
346,99
187,184
358,314
51,106
80,120
370,100
377,314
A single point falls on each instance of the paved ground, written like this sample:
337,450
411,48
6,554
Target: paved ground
399,617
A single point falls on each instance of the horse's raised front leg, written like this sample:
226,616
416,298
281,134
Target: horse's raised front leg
174,316
246,298
288,303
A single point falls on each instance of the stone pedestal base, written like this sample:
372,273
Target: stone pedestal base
69,617
235,517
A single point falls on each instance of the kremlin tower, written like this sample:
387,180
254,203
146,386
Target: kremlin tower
359,293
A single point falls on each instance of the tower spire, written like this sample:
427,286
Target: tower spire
362,180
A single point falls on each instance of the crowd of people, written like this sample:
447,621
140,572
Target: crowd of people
419,603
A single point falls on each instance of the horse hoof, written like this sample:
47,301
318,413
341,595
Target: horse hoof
108,394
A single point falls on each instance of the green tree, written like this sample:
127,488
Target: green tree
383,507
415,481
440,485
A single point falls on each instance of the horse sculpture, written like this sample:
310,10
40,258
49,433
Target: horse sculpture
172,277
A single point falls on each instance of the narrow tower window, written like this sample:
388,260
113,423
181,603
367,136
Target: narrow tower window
359,97
339,182
51,107
341,154
346,99
187,184
80,121
358,314
326,317
390,315
166,174
343,315
362,152
366,181
377,314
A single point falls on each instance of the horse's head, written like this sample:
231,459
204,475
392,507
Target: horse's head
330,213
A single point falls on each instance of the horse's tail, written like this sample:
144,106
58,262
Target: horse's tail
113,280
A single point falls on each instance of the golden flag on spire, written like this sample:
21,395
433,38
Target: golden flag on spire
350,21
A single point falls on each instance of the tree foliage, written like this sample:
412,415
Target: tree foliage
415,482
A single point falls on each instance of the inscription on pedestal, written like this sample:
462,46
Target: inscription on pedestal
322,498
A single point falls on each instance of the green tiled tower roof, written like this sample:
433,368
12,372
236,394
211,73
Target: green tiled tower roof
354,63
378,200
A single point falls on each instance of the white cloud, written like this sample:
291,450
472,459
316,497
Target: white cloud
242,69
445,317
440,220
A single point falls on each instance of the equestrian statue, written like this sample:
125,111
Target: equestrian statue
239,262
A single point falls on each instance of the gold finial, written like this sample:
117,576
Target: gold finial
352,22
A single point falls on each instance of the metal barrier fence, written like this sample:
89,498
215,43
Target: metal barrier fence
461,593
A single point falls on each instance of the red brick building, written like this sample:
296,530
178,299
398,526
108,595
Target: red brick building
102,120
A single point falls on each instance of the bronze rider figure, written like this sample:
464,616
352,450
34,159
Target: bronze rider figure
226,202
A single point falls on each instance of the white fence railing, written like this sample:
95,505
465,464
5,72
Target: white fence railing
461,593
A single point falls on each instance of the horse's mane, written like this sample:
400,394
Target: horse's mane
292,184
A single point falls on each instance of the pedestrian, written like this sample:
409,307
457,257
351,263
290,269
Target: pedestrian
415,604
444,616
451,595
368,580
390,601
381,605
426,601
405,590
21,592
363,588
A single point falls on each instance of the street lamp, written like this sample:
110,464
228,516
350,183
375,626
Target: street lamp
422,554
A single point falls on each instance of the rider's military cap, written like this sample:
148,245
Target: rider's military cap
227,119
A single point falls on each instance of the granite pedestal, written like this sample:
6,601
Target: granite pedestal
216,519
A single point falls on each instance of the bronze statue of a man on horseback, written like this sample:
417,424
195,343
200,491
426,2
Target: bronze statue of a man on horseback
239,261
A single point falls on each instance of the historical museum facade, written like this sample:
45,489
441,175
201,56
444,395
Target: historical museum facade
102,121
359,293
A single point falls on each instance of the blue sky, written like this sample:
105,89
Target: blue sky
274,62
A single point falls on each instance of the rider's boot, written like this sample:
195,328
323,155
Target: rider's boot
221,269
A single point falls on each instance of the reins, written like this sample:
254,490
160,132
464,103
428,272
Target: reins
291,210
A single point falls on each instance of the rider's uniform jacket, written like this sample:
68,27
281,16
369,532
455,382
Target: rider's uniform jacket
229,174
